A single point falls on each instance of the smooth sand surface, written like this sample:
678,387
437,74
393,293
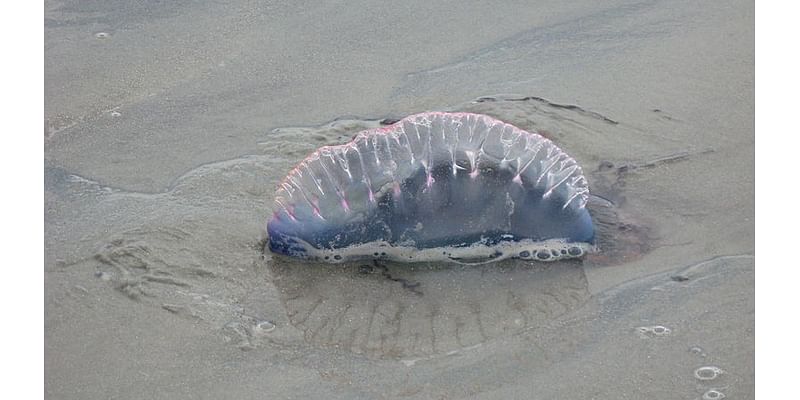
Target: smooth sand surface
168,125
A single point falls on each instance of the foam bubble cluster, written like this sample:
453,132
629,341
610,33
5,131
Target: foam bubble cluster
435,186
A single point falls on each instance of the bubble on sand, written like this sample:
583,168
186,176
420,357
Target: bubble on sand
707,373
653,331
263,327
246,331
660,330
713,394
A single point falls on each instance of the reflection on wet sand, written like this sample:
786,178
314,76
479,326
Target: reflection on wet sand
387,310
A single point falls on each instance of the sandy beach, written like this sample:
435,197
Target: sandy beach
168,126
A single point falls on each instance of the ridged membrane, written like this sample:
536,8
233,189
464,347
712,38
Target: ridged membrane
434,186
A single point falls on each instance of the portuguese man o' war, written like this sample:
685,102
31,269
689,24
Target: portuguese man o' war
435,187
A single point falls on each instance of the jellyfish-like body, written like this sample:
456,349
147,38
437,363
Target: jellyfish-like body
432,187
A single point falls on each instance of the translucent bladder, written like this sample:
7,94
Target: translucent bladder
431,187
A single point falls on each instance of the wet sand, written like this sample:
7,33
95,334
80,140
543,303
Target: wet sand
169,125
